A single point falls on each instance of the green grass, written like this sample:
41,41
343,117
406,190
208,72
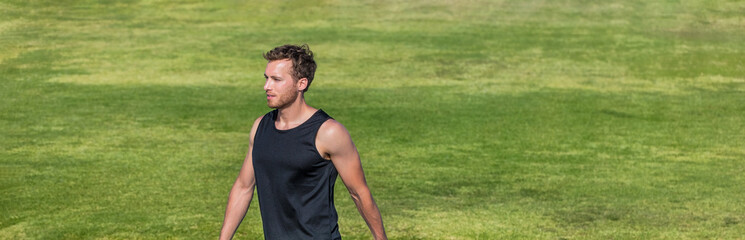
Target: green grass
475,120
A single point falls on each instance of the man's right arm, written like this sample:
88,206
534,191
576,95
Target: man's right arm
241,193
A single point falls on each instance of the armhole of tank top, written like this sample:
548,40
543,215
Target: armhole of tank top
315,140
262,123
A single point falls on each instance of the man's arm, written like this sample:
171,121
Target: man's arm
335,143
241,193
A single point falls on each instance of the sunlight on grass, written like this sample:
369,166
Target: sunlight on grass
474,119
156,77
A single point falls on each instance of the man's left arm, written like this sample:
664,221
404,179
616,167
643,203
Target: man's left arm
335,143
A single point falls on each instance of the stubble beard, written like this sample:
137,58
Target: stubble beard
284,101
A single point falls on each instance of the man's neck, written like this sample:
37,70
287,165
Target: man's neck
294,114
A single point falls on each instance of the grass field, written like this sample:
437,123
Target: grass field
535,119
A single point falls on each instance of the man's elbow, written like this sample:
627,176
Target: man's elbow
359,195
246,189
243,187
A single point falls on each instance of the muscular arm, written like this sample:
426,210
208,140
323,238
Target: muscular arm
334,142
241,193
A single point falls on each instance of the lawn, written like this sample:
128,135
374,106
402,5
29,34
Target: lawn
533,119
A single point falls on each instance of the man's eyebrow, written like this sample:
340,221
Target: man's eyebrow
272,77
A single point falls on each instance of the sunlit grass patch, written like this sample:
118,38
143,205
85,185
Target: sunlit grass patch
157,77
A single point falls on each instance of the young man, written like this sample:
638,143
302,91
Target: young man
294,155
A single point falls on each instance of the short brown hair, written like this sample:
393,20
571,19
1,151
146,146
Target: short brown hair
303,65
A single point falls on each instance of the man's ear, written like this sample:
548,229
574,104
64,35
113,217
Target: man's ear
302,84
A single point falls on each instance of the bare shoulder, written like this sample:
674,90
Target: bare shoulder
331,129
333,139
257,121
254,127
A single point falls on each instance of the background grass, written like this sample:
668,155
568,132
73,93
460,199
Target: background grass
475,119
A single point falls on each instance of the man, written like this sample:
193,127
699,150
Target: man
294,155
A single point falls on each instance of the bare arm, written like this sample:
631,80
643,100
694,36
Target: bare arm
334,142
241,193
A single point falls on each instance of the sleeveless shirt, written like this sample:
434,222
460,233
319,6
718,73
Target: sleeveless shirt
295,184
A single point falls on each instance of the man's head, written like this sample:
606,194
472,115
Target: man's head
303,65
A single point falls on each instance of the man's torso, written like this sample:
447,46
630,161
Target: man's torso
295,183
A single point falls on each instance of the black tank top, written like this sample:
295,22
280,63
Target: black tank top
295,184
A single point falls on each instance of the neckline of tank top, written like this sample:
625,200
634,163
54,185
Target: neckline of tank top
276,114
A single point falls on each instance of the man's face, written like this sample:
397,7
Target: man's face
280,87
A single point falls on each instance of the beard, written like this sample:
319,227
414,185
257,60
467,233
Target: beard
285,99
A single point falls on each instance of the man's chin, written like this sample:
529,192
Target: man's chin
274,106
271,105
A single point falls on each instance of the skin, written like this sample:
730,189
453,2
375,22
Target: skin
333,141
